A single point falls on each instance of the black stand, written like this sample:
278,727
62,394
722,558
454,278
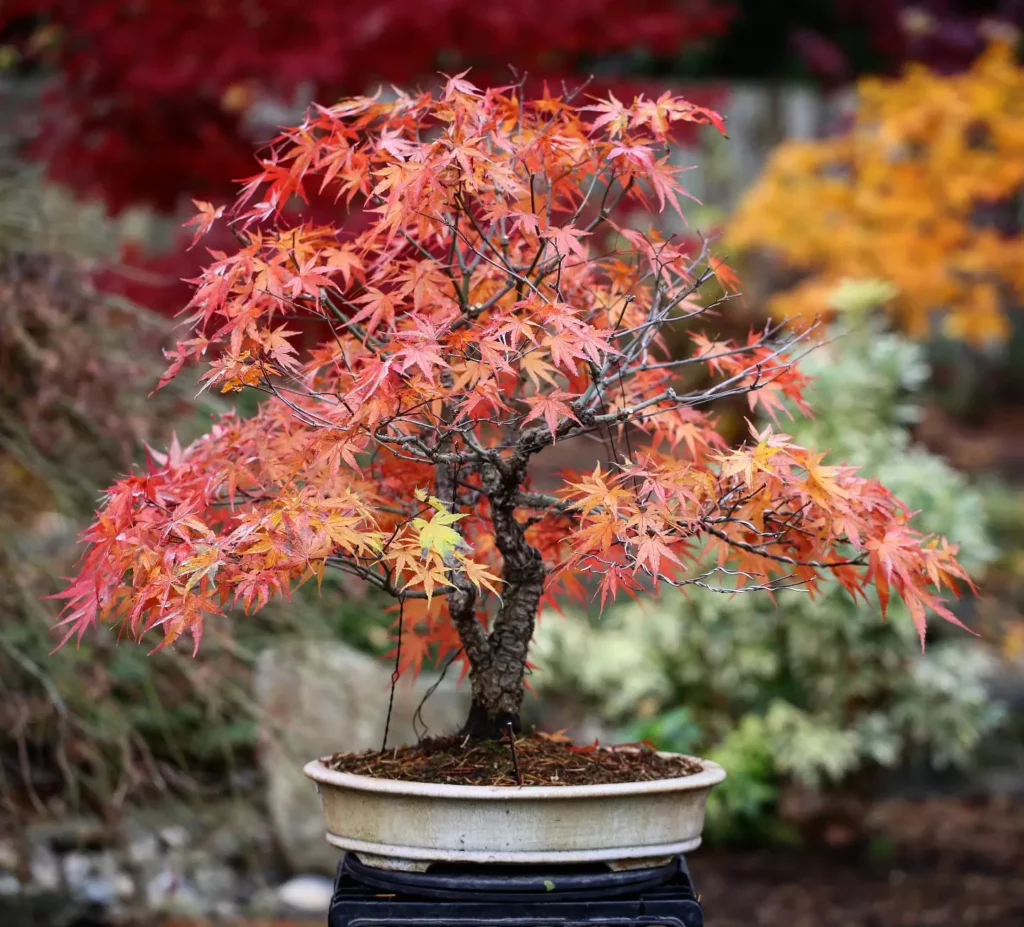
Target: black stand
514,896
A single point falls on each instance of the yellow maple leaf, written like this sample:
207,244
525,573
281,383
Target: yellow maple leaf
479,575
821,484
203,564
438,535
429,575
749,461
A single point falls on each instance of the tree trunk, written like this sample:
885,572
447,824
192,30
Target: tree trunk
499,669
498,687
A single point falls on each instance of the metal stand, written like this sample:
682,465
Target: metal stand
514,896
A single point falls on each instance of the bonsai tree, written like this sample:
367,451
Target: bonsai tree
416,376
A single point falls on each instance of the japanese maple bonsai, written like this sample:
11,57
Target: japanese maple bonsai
498,303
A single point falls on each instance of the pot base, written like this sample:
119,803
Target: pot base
497,896
417,859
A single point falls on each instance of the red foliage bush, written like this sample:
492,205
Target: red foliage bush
150,96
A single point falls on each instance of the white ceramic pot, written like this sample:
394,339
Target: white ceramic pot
408,825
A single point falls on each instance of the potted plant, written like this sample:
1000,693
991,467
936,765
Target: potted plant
417,374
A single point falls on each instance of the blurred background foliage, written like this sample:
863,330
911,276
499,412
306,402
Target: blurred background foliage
926,189
98,726
115,117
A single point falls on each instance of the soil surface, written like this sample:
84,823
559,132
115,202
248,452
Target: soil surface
792,889
535,759
941,862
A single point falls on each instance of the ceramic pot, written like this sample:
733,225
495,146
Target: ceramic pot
409,825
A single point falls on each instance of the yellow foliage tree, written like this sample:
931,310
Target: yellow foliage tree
924,191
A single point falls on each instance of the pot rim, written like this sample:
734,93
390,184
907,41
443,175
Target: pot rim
711,774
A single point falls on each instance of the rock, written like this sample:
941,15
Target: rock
185,904
225,911
239,834
100,892
307,894
215,882
78,868
320,698
264,902
161,887
169,893
144,850
124,886
8,856
174,836
91,877
44,869
243,780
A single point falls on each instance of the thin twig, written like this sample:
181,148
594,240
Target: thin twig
395,673
417,717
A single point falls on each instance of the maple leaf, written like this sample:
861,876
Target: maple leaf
178,357
423,347
649,553
309,278
821,484
415,649
713,353
558,737
456,85
614,578
661,176
567,240
375,374
553,407
204,220
345,260
486,398
690,113
378,307
430,575
277,344
438,535
614,115
479,575
537,369
564,349
184,524
749,461
202,566
595,491
638,154
726,276
885,559
599,534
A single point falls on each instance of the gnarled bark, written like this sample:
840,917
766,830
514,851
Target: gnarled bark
498,669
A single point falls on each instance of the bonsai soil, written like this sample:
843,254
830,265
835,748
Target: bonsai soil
535,759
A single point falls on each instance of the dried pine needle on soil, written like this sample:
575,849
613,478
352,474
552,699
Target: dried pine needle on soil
536,759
